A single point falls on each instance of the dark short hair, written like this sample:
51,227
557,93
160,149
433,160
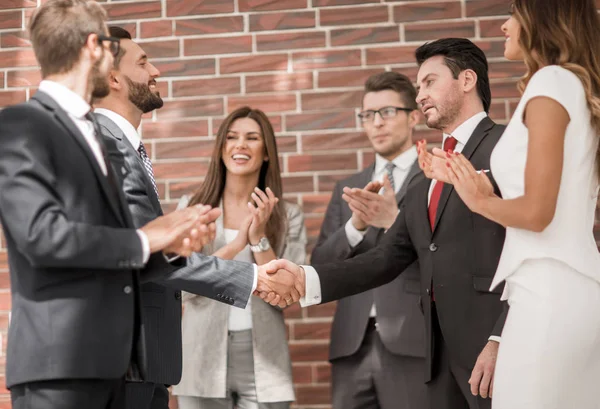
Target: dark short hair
389,80
121,33
60,28
460,54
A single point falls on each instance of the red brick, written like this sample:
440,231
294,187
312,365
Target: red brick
312,330
18,58
337,140
183,150
175,170
209,25
138,9
11,19
288,41
327,100
23,78
498,110
282,21
304,163
188,8
298,184
13,39
323,373
163,48
326,3
4,300
313,394
368,35
191,108
209,86
315,203
322,310
432,31
418,11
478,8
302,373
273,118
175,68
218,45
308,352
1,79
268,5
12,97
346,78
491,48
287,143
266,103
161,28
17,4
254,63
321,120
180,188
354,15
505,89
325,59
491,28
391,55
506,69
279,82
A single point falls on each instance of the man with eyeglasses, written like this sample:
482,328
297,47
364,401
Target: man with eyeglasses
75,256
377,344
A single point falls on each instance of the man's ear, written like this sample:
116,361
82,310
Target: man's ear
92,49
113,80
469,80
414,118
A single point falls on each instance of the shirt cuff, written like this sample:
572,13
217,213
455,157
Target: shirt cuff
494,338
171,259
354,235
312,294
255,281
145,245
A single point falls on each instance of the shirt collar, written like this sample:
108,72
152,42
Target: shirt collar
466,129
403,161
68,100
128,129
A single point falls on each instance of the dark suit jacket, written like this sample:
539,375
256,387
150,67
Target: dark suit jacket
399,317
459,257
73,252
222,280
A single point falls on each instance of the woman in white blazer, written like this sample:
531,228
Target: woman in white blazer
546,166
234,358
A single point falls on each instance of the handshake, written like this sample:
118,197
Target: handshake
280,283
183,231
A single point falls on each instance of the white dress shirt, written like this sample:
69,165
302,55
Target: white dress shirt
76,107
462,135
403,163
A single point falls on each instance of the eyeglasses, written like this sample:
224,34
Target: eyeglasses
115,43
385,113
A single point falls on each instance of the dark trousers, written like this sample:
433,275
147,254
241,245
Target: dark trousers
449,388
374,378
146,395
69,394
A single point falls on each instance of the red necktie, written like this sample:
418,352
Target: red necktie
449,145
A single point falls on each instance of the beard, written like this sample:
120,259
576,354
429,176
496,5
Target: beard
141,96
100,86
447,112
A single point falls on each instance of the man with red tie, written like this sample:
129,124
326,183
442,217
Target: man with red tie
457,250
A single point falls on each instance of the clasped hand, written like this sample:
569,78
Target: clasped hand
280,283
184,231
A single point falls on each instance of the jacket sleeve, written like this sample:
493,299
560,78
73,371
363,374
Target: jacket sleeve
33,212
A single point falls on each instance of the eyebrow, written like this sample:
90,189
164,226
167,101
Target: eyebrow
247,133
143,57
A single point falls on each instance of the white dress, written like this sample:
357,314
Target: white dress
549,355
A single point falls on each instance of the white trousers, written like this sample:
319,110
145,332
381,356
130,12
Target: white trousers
549,356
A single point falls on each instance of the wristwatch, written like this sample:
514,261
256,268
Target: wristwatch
263,245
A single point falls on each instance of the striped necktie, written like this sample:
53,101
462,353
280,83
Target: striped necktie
148,166
389,168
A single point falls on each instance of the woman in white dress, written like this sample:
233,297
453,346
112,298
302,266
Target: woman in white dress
546,165
234,358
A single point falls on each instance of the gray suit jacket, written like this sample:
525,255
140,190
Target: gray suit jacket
399,317
205,326
229,282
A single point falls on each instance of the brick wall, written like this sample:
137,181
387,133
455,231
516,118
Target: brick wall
304,63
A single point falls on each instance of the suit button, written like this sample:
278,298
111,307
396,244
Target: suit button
123,170
428,291
127,289
178,295
433,247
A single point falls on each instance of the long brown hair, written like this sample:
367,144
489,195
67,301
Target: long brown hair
564,33
211,190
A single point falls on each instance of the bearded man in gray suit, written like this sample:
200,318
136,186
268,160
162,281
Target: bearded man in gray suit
133,93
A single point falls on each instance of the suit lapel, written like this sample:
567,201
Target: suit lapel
72,129
480,132
414,170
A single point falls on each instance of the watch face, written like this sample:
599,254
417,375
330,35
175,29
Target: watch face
264,244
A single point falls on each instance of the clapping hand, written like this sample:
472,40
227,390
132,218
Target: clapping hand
261,210
432,165
280,282
473,187
370,208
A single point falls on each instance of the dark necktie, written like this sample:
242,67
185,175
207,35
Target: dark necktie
148,166
449,144
389,169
